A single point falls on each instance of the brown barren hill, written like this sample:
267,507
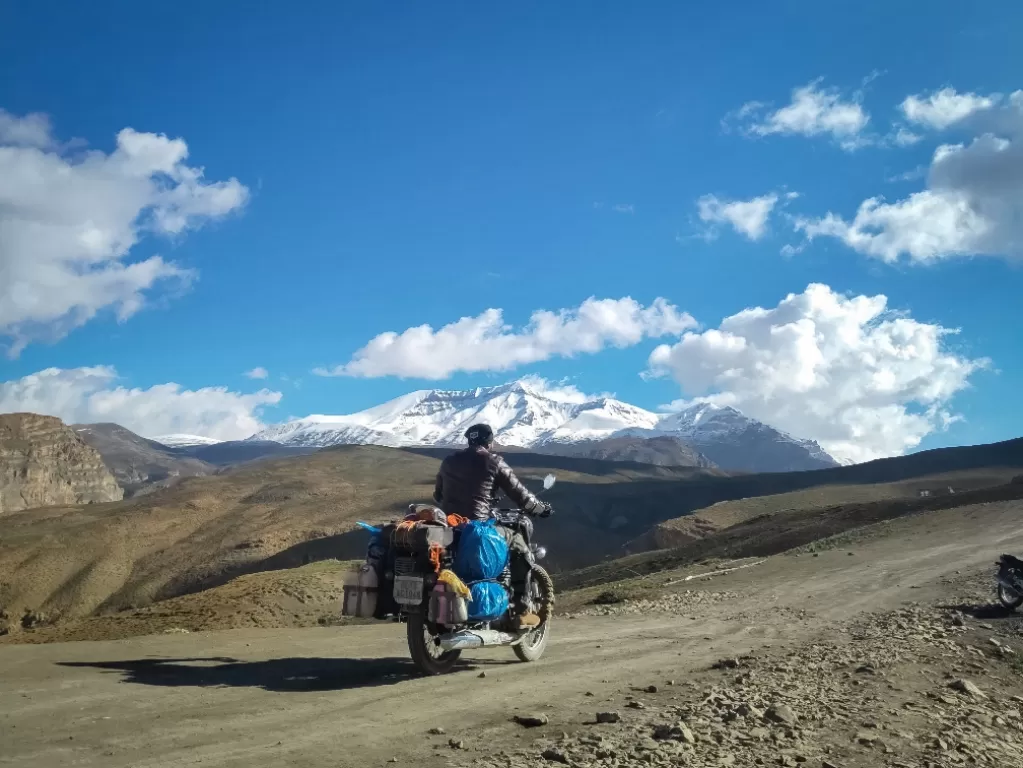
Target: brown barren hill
63,562
717,517
43,462
60,563
772,533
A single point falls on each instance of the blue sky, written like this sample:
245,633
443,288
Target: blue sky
400,164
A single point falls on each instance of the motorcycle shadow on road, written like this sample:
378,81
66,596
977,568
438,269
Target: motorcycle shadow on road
288,675
982,611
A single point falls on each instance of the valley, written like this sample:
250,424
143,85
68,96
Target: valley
714,618
847,659
70,562
67,564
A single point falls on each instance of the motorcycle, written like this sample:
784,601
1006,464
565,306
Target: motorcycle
437,624
1010,582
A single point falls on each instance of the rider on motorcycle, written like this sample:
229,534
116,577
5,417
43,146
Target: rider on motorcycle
467,485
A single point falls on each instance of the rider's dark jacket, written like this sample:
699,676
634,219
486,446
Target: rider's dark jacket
469,480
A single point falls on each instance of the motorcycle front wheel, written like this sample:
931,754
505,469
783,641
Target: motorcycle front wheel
426,653
535,643
1009,598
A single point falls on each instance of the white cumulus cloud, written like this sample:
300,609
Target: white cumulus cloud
70,221
258,372
747,217
861,380
487,343
813,111
31,130
943,108
90,395
972,203
903,137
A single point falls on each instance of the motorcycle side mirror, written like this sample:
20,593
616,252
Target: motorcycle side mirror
548,482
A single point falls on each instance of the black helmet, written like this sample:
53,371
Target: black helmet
480,434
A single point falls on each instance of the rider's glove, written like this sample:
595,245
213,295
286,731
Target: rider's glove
546,510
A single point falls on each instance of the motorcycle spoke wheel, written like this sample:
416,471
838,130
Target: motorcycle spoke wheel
533,644
426,653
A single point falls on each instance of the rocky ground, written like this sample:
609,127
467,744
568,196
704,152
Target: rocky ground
919,687
682,603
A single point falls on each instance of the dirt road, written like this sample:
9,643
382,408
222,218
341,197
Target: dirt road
347,697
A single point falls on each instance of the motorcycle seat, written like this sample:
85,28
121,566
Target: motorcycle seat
1012,562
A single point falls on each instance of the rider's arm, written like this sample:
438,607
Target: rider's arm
513,489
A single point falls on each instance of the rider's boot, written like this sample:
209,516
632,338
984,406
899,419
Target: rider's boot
528,620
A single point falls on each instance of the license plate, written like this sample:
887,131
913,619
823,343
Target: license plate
408,590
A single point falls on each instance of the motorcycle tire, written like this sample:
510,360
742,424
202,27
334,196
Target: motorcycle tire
535,643
428,659
1007,600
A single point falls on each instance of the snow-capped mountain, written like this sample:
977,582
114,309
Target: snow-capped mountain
734,441
184,441
526,415
320,431
520,414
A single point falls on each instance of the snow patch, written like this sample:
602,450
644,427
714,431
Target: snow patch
184,441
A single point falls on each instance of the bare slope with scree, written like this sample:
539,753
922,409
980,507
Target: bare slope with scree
58,564
66,562
139,465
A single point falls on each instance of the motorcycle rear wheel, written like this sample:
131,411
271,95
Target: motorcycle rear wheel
535,643
423,648
1009,599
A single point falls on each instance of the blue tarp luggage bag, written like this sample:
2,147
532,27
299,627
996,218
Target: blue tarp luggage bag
482,556
489,601
482,551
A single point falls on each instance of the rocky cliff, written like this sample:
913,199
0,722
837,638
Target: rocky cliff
43,462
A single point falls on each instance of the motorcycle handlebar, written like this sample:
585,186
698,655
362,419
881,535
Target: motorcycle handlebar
550,512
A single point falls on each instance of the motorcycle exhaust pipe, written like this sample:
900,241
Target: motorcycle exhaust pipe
460,641
467,639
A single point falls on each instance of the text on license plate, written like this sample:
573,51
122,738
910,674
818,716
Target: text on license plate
408,590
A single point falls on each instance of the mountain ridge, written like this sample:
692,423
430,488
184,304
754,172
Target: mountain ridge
142,465
527,415
139,465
